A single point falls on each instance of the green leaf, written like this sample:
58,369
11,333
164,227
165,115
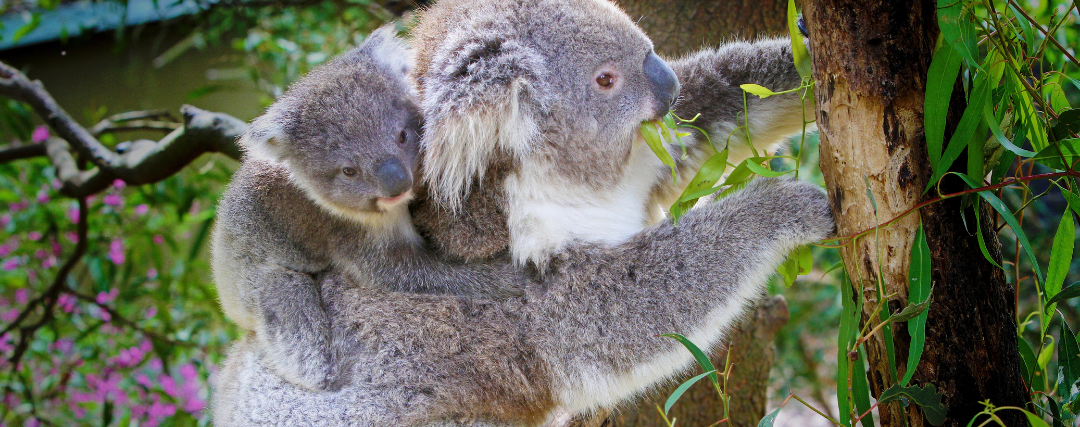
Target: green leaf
1061,255
799,54
1071,198
995,128
1007,215
1067,123
919,291
939,86
911,311
702,359
1027,114
860,389
965,130
1034,420
758,90
675,395
1066,149
1027,354
849,323
1068,363
957,28
768,420
755,167
799,262
1068,292
711,172
649,133
927,398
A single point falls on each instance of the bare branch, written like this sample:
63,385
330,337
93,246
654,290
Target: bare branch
47,300
154,125
11,153
143,162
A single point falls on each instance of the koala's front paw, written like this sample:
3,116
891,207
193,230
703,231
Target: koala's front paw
801,209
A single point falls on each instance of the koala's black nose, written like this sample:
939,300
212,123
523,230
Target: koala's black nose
664,82
393,178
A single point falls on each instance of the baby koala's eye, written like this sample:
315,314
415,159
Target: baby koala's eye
348,171
404,137
605,80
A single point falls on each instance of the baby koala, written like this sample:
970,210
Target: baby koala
323,188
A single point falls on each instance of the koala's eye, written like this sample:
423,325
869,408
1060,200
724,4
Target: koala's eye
605,80
404,137
348,171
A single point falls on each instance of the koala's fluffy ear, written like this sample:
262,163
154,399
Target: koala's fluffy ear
482,97
265,138
386,49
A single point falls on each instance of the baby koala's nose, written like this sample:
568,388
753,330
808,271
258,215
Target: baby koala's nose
393,178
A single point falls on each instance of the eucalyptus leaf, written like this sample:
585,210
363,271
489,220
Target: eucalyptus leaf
926,397
702,359
1061,155
675,395
939,86
1061,255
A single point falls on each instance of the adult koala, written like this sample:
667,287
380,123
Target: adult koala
532,112
584,334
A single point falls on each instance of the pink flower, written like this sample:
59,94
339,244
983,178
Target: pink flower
10,315
49,262
116,251
142,209
42,197
105,315
66,302
73,215
112,200
168,385
56,184
144,381
158,239
5,220
119,184
11,264
72,237
34,236
150,313
22,296
105,298
18,206
41,133
6,249
32,422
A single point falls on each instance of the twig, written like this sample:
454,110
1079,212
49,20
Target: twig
47,300
154,125
1046,34
11,153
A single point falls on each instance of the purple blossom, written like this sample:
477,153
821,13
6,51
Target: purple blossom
34,235
11,264
5,343
73,215
168,385
49,262
6,249
22,296
105,298
32,422
31,275
119,184
142,209
151,312
144,381
18,206
145,346
66,302
41,133
5,220
72,237
9,315
159,239
42,197
56,184
113,200
151,273
116,251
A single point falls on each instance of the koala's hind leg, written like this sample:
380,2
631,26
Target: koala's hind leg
295,329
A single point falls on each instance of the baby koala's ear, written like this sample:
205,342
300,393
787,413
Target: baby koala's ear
265,138
385,48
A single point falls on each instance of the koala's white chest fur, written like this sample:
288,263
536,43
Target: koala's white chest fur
547,212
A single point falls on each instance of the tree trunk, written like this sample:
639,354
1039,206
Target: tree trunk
870,61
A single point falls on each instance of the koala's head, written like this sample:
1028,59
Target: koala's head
348,132
567,81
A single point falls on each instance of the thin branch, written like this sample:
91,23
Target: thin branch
144,162
11,153
47,300
153,125
1046,34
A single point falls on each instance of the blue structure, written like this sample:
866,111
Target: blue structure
87,16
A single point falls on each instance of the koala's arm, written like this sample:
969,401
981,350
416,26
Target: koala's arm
584,337
710,80
292,326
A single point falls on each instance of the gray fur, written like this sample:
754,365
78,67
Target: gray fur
285,221
424,360
521,147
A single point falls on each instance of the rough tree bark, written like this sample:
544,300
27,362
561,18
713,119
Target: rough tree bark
870,61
